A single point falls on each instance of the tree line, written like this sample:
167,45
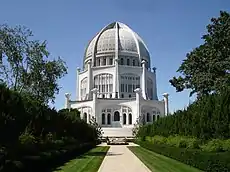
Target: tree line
205,119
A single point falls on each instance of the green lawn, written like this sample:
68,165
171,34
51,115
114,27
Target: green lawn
159,163
89,161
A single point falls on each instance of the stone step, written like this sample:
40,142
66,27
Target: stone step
117,132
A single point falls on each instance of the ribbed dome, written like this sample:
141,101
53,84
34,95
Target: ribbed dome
117,37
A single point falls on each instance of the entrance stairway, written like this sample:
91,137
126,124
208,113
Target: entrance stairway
117,132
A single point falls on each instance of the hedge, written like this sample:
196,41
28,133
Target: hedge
29,128
207,161
47,160
207,118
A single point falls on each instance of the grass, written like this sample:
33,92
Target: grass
89,161
159,163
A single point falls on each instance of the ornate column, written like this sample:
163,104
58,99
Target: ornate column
106,119
116,83
89,63
67,100
138,110
166,102
143,83
78,86
154,84
94,110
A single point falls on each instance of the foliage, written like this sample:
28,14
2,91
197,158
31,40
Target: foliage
226,145
27,138
176,141
29,127
205,119
207,161
214,145
136,127
46,161
159,140
98,129
24,64
207,68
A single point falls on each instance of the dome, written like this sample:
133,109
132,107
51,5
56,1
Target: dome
117,37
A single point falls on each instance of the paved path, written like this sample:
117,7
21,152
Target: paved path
120,159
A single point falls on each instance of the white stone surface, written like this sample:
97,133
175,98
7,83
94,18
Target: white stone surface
120,159
117,62
117,132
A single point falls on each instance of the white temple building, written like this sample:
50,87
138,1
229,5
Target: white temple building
117,85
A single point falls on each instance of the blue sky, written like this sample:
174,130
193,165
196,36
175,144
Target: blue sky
169,28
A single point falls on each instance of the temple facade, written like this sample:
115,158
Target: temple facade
117,85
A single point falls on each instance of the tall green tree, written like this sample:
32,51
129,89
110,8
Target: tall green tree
25,65
207,68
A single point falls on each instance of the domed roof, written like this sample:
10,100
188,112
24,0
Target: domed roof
117,37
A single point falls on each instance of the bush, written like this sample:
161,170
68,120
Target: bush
193,143
183,142
226,145
47,160
207,161
28,127
215,145
27,138
207,118
159,140
176,141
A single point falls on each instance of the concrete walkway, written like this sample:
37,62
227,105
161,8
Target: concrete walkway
120,159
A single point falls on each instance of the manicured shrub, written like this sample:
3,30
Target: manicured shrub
207,161
226,145
179,141
215,145
28,127
27,138
174,141
207,118
159,140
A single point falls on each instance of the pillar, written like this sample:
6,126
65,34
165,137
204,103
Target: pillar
94,110
116,83
67,100
154,84
78,87
116,79
138,110
106,119
166,102
143,81
89,63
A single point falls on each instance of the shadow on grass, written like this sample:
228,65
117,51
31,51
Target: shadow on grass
83,156
95,154
102,154
50,163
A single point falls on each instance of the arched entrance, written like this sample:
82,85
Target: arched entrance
109,119
116,116
85,117
103,119
130,119
124,119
